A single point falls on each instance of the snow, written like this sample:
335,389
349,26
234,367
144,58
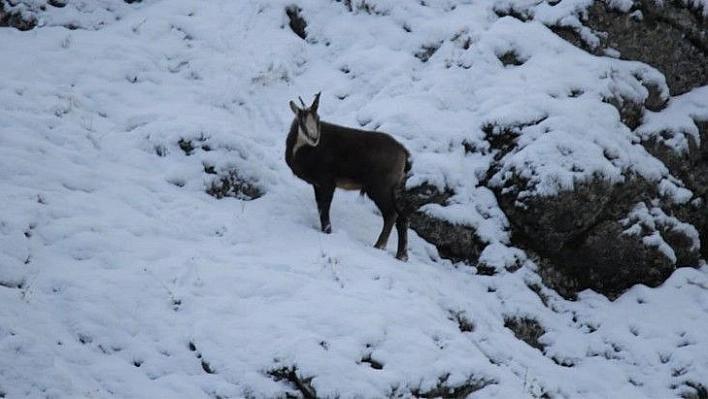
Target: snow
673,126
120,276
642,219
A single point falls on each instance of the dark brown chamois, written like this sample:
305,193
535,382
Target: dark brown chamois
330,156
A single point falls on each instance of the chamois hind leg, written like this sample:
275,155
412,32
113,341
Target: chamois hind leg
388,212
404,211
323,196
389,220
402,229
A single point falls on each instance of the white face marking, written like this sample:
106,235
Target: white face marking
312,133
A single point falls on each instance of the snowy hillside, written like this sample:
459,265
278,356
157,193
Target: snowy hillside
121,277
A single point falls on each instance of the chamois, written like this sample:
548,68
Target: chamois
329,156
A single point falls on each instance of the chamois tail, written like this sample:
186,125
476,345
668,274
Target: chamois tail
404,202
409,165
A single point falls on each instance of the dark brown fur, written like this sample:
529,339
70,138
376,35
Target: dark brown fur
372,162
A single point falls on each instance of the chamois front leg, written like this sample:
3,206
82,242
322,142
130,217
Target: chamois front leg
323,196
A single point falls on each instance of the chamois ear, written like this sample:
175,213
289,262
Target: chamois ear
294,107
316,103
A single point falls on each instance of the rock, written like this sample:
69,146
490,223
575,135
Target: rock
546,224
647,30
601,235
598,235
608,261
691,167
15,19
454,241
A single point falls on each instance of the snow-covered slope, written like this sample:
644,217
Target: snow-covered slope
121,277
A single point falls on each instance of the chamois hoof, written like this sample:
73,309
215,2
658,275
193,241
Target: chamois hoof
402,257
327,229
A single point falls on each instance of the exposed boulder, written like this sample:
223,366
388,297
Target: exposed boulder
608,261
646,32
454,241
29,14
691,166
13,17
607,233
548,223
600,235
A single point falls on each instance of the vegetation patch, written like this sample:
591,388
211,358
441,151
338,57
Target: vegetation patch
427,51
233,185
443,390
15,19
297,22
526,329
302,385
695,390
511,58
463,322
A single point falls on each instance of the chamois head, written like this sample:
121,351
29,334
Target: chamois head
308,120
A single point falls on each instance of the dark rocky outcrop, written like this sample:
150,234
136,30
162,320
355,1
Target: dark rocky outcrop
670,36
691,167
454,241
26,15
607,261
671,26
15,19
591,236
586,237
